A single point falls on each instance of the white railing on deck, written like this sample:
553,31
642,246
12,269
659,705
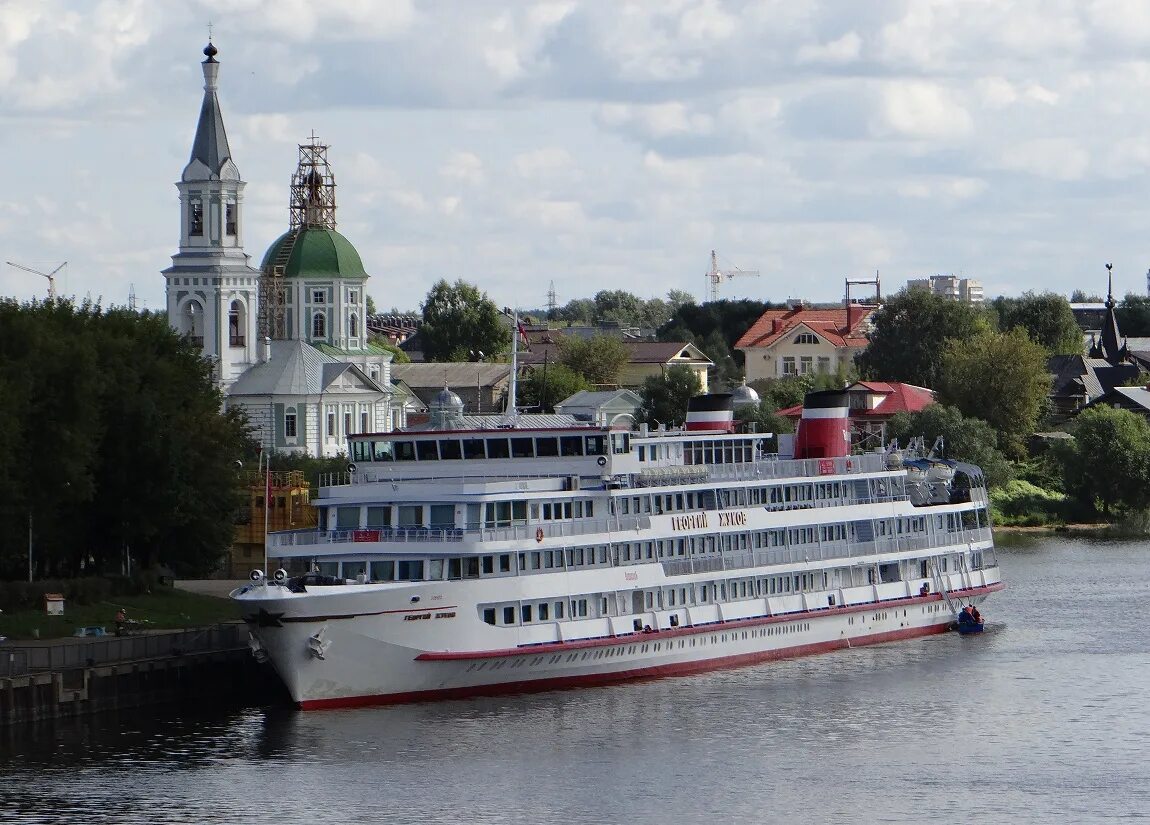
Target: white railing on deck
818,552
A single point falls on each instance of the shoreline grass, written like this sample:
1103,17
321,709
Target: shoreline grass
168,609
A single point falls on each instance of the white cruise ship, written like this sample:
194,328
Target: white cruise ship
479,556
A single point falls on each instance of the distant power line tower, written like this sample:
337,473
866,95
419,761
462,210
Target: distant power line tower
716,276
132,297
553,300
311,205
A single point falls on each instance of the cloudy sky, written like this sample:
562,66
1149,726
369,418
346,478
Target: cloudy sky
598,144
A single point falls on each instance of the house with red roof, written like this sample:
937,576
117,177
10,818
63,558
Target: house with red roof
872,403
802,341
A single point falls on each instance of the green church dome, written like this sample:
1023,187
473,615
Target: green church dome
314,252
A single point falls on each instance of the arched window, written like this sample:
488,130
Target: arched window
237,323
319,325
353,326
194,322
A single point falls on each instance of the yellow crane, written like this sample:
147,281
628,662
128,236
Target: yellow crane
51,276
715,276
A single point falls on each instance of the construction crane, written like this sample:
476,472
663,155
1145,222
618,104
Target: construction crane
51,276
716,275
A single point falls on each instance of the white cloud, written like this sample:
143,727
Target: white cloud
548,163
841,51
1059,159
463,166
657,120
921,110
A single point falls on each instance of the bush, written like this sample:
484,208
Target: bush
21,595
1021,504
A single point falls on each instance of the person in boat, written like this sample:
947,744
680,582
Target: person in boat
965,617
975,615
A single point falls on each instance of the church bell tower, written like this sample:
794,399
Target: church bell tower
211,286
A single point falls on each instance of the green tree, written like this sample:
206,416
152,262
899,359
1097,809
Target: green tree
577,311
370,305
619,306
1134,316
545,386
459,322
727,370
598,358
765,417
1079,296
398,356
713,321
1046,318
125,414
910,333
965,439
1107,466
665,396
1000,378
677,299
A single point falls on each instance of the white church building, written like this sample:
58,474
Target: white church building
288,342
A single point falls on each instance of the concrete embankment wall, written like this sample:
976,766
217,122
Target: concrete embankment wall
82,676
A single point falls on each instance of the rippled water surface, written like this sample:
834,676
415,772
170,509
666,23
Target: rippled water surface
1042,719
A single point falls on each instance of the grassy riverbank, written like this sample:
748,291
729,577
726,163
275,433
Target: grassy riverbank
160,610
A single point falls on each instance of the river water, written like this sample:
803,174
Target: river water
1042,719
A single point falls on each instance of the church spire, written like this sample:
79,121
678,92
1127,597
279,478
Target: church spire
1111,347
211,155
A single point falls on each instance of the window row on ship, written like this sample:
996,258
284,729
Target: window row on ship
520,512
735,589
737,549
455,448
451,448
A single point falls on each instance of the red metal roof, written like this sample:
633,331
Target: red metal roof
826,323
898,398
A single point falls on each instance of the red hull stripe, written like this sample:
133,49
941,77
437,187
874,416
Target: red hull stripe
724,626
655,672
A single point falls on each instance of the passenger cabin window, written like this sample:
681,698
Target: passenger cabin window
571,445
546,447
450,450
473,448
427,450
522,448
497,448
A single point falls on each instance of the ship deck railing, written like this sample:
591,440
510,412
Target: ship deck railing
824,551
550,530
766,467
795,554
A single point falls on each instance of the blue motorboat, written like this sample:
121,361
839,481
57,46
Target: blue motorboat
968,622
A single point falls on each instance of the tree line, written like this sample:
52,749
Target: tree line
112,443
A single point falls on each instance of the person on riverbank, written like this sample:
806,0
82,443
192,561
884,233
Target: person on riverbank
121,620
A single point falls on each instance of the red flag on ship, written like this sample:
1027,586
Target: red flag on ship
522,331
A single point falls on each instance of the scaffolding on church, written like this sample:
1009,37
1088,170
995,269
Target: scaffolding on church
311,206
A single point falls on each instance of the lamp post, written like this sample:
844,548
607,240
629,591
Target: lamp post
29,545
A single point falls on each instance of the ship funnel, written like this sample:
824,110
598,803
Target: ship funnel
824,430
711,413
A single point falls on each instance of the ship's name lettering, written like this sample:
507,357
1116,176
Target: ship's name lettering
732,519
415,617
695,521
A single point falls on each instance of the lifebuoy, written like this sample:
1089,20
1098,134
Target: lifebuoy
602,461
539,534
